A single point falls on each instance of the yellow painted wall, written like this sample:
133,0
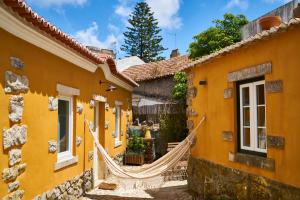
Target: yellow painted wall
282,112
44,71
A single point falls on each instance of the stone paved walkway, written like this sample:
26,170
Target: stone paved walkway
174,190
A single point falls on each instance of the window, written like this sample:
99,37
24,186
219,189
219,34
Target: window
118,124
252,116
65,127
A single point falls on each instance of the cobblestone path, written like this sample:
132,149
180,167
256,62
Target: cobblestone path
177,190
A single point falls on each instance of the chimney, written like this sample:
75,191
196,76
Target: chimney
102,51
174,53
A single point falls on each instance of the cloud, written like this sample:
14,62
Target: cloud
242,4
123,10
90,37
166,12
58,3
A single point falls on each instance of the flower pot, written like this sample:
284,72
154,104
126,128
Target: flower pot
134,159
266,23
296,12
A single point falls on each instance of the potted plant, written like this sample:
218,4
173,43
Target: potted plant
266,23
135,151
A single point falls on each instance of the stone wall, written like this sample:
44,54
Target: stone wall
154,89
207,180
71,189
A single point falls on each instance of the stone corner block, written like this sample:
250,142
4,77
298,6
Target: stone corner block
92,103
106,106
79,108
52,146
17,195
14,136
16,105
15,83
16,62
106,124
91,155
276,142
227,136
78,141
14,157
10,174
52,103
275,86
228,92
13,186
190,124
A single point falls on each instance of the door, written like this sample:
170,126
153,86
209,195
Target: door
98,164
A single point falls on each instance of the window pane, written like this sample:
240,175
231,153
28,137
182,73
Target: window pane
261,121
261,138
246,116
63,125
260,91
245,96
118,114
246,136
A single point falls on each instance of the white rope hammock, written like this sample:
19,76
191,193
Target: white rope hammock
155,169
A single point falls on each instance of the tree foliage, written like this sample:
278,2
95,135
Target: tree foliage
225,32
142,37
180,88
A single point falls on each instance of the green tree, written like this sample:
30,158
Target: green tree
142,37
225,32
180,87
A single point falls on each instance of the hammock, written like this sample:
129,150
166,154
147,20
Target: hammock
155,169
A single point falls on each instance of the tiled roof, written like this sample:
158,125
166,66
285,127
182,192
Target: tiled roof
256,38
24,11
157,69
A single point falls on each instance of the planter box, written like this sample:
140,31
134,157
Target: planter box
134,159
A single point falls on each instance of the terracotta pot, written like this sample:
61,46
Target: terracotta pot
266,23
296,12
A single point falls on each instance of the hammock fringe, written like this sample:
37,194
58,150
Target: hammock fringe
151,171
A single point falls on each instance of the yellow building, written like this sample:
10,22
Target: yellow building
250,92
50,85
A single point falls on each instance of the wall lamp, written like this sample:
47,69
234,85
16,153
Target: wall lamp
202,82
110,87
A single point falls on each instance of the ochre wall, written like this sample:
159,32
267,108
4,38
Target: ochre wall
44,71
282,112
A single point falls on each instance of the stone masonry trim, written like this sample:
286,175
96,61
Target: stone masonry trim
14,136
275,86
15,83
276,142
250,72
16,105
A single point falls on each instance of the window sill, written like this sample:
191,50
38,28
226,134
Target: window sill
66,162
253,161
118,143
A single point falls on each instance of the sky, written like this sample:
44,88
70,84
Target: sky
101,23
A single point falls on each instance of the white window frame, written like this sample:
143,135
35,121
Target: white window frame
253,116
66,155
118,125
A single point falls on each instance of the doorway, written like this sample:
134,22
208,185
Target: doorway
98,164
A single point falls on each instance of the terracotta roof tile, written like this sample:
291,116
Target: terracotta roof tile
157,69
24,11
256,38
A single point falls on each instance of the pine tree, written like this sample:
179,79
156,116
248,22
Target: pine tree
142,37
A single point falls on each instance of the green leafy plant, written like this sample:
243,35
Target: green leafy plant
225,32
180,88
136,145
